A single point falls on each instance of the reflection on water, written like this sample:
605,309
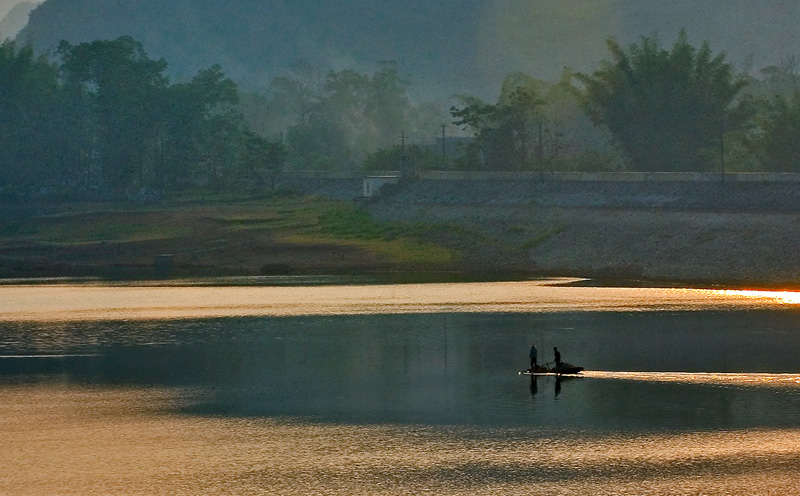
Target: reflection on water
100,441
443,369
70,302
720,379
396,390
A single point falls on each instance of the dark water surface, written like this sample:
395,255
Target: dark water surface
441,369
703,401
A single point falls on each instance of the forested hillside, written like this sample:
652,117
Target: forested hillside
255,41
147,97
445,46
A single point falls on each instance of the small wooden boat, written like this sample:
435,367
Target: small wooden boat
562,369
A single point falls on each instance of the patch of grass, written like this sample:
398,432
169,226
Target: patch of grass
750,234
515,230
705,237
122,232
415,252
75,228
402,250
541,238
18,229
192,197
424,229
343,221
199,220
345,224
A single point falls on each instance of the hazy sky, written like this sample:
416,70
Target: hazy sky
446,50
5,6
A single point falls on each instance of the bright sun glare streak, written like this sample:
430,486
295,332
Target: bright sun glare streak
711,378
780,297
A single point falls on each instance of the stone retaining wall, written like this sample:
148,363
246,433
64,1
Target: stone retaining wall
739,192
714,177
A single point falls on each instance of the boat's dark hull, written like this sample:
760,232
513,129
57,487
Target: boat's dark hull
563,369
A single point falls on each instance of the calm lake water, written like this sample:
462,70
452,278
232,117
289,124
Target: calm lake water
396,389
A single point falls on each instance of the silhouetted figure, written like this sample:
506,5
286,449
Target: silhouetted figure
557,355
534,355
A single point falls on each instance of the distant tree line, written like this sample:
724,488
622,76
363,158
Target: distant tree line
677,109
103,119
647,108
337,120
534,126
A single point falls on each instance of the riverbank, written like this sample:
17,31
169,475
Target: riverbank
684,232
200,235
642,234
685,247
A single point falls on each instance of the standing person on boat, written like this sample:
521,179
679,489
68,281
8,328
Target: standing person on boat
534,357
557,355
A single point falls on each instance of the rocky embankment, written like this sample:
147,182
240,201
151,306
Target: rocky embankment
705,232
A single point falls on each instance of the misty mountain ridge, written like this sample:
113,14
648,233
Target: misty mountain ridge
443,46
16,19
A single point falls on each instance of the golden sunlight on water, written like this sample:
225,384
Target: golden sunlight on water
126,302
93,441
711,378
780,297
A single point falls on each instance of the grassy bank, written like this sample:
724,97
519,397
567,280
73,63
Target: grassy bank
221,235
218,235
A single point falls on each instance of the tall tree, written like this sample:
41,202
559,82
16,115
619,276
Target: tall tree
508,132
126,91
665,108
387,104
371,110
777,140
202,132
28,132
346,117
137,130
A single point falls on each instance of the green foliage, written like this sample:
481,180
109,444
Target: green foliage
665,109
263,154
780,79
345,116
202,137
777,142
505,131
541,237
347,222
29,133
318,145
107,120
120,91
535,125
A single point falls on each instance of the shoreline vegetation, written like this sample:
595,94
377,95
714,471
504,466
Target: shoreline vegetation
198,235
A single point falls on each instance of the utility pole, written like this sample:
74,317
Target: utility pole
722,147
540,150
444,149
722,155
403,161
